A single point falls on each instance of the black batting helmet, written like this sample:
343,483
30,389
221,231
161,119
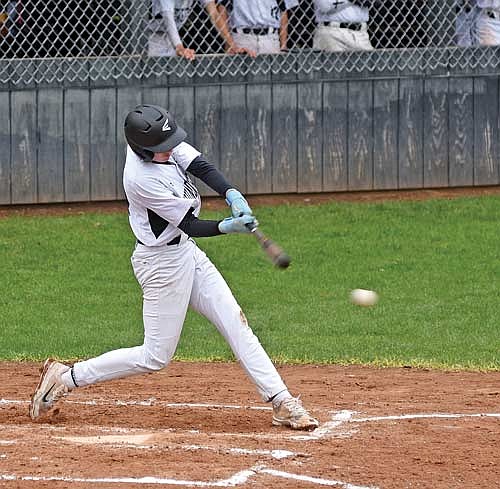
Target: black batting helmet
151,129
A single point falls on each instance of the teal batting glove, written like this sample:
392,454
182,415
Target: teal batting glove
238,203
243,224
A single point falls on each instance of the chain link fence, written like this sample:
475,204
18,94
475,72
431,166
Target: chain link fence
53,41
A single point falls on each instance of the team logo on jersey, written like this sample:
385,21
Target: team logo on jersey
166,126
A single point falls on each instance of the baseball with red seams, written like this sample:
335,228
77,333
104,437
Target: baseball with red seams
363,297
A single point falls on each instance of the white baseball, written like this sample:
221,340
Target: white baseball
363,297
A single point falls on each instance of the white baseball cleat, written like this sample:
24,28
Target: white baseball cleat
50,388
291,413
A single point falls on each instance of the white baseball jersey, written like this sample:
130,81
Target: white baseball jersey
339,11
257,13
160,194
180,8
493,4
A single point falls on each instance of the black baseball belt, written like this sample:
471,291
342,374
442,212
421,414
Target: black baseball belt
173,241
353,26
258,31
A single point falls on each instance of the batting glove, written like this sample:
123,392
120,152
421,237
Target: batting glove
238,203
243,224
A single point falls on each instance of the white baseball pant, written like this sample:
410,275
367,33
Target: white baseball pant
332,38
465,26
173,278
488,27
261,44
159,44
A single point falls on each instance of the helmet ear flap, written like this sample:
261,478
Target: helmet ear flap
144,154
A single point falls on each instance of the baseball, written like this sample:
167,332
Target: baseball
363,297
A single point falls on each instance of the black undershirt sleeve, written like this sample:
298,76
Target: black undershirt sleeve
208,174
198,228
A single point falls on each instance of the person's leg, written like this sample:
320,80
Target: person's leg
212,297
488,27
476,12
166,278
159,45
330,39
361,41
269,44
323,40
248,41
463,29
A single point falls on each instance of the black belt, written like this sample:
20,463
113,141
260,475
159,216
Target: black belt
258,31
353,26
174,241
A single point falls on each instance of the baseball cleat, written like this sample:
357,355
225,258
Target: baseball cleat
291,413
50,388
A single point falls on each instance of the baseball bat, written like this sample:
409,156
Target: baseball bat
274,252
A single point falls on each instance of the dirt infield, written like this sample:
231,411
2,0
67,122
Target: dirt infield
202,425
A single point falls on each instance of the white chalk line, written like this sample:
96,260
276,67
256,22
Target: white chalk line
339,417
153,441
314,480
326,429
239,478
424,416
148,403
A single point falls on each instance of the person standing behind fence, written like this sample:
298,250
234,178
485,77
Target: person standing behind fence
488,22
260,26
341,25
169,16
465,24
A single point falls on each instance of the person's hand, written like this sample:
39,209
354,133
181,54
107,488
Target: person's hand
186,53
243,224
237,50
238,203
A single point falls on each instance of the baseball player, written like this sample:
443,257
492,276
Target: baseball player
341,25
261,26
173,272
465,24
169,16
488,22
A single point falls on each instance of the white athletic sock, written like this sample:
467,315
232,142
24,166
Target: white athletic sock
68,380
280,397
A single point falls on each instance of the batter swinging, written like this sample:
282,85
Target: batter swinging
173,272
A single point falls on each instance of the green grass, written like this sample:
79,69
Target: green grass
67,287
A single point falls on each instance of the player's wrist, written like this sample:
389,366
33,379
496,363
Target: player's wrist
243,224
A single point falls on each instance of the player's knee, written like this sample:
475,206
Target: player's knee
154,361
